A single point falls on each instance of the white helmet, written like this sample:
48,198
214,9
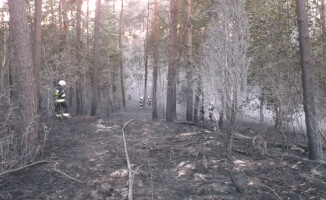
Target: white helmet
212,102
62,82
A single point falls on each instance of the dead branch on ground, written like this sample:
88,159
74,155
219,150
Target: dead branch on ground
128,161
60,172
150,171
23,167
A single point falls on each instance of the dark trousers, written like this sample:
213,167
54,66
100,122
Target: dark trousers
61,107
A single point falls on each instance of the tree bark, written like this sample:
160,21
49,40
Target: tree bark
146,57
190,66
87,26
261,107
314,141
121,59
12,72
26,80
197,102
155,67
64,31
6,50
96,57
322,16
37,48
171,86
79,87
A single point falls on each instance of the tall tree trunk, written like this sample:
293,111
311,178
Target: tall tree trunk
79,93
146,57
322,16
96,57
26,81
37,48
197,101
177,59
229,143
87,26
278,115
64,31
53,16
3,62
314,141
12,72
155,67
171,86
29,15
113,6
6,51
261,106
121,61
190,66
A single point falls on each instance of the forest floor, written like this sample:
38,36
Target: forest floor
170,161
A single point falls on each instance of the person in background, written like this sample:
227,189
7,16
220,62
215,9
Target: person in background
210,111
149,101
202,114
61,107
141,103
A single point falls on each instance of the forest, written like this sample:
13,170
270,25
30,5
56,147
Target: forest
162,99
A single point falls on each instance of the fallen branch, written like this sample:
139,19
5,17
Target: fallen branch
150,171
60,172
25,166
128,161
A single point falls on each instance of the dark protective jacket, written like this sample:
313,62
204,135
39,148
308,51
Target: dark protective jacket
60,94
210,108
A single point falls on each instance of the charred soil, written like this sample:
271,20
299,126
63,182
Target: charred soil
169,160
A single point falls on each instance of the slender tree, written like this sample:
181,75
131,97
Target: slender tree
146,56
87,26
121,61
197,101
96,58
190,65
64,29
171,86
37,48
155,67
314,141
322,16
79,96
26,81
12,64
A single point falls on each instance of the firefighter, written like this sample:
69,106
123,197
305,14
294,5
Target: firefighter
141,103
202,114
210,111
61,107
149,101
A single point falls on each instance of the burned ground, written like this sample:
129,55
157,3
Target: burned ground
170,161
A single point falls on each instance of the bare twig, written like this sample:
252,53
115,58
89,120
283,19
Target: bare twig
23,167
128,161
150,171
60,172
